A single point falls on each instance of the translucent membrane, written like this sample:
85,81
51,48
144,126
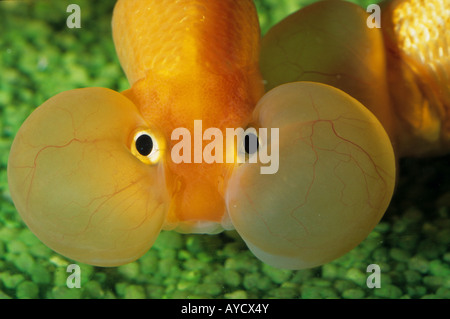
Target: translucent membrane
335,180
76,183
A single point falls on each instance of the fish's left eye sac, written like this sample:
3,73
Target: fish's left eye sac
145,147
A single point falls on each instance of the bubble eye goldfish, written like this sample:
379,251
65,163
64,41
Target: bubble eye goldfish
97,174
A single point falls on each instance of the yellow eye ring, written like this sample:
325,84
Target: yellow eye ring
147,146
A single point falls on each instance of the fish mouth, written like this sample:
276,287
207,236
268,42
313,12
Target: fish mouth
202,226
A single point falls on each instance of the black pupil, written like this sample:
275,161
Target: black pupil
251,143
144,144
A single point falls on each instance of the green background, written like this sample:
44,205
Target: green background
40,57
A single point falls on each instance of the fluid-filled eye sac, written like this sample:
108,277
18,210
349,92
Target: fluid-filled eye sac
335,179
76,183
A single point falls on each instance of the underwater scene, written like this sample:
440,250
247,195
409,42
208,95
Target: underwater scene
395,243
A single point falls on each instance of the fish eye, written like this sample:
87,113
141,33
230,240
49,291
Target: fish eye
249,145
144,144
251,142
146,147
